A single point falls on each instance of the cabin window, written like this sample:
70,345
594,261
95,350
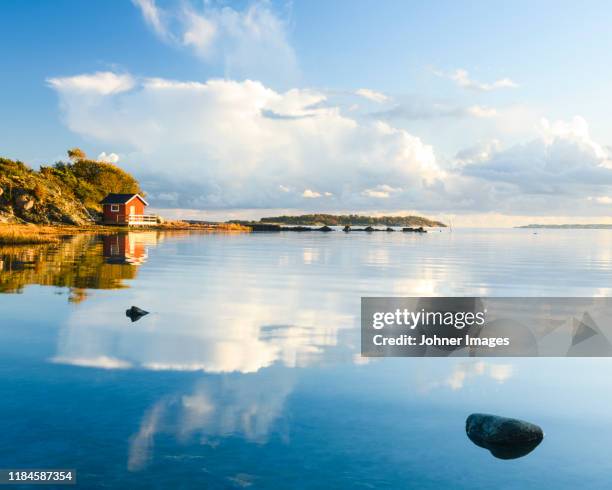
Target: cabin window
114,208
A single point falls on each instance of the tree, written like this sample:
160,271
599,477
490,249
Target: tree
76,154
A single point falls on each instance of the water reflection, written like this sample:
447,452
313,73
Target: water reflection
245,406
249,357
128,248
79,263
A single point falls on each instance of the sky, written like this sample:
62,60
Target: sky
477,113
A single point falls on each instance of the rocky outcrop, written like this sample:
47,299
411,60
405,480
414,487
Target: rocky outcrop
60,194
24,202
505,437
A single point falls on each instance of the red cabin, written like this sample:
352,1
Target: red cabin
126,209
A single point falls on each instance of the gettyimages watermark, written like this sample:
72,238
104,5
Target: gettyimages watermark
486,327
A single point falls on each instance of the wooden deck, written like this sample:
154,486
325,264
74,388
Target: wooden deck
134,220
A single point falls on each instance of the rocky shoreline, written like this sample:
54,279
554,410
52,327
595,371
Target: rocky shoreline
271,227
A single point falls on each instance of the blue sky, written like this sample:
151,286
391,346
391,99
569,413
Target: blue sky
478,109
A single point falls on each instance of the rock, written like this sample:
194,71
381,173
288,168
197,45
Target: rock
325,228
24,202
134,313
346,228
296,228
390,229
506,438
368,228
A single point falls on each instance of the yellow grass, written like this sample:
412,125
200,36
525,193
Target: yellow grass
27,235
183,225
21,234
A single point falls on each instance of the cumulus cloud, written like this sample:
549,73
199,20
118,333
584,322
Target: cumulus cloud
478,153
564,159
99,83
252,42
244,145
372,95
108,157
222,149
462,78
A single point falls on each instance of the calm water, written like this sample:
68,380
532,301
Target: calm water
247,371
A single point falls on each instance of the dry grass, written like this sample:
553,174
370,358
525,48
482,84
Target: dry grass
215,227
21,234
27,235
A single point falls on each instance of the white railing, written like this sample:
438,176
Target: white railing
141,219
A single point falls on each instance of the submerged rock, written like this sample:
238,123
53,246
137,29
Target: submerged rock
346,228
506,438
390,229
325,228
134,313
368,228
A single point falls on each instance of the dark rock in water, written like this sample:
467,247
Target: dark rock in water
325,228
506,438
420,229
390,229
368,228
346,228
134,313
264,227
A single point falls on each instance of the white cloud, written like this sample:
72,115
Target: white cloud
423,109
250,43
563,159
477,153
481,111
382,191
463,372
243,145
372,95
226,151
101,362
108,157
199,33
152,15
101,83
310,194
601,199
462,78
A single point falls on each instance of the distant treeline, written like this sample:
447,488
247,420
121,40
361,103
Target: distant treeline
351,220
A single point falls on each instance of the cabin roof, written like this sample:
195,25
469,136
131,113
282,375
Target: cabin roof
113,198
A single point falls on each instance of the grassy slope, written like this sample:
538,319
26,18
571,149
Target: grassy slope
66,193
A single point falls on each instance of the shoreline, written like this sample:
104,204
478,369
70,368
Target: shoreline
32,234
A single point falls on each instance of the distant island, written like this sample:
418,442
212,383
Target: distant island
569,227
351,220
